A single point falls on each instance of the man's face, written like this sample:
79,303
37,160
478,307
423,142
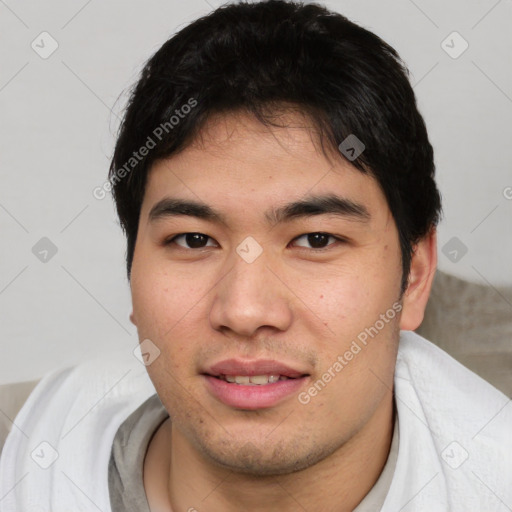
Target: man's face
303,301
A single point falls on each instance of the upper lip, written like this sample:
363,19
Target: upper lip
252,367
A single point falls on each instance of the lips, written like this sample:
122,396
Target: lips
247,390
252,368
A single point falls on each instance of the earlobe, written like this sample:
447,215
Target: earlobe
132,319
421,275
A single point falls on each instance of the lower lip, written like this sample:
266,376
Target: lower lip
253,397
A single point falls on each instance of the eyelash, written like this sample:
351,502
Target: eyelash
322,249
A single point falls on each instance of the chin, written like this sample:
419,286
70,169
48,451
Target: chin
269,460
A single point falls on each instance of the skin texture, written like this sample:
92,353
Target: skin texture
295,303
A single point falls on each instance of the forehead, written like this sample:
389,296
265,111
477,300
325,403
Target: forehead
237,162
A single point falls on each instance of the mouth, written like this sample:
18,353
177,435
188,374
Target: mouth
252,385
253,380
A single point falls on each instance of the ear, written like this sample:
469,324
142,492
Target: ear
421,275
132,319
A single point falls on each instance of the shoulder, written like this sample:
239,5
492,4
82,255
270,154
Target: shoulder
431,368
67,390
455,402
441,379
454,429
75,412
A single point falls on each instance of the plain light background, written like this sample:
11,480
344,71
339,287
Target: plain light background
59,117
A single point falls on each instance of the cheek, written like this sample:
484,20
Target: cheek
341,304
347,299
358,304
163,296
358,357
165,314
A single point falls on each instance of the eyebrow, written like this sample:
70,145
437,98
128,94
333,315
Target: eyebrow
311,205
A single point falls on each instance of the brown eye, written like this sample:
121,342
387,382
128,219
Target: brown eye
317,240
191,240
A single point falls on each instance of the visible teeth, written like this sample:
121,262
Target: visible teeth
255,380
264,379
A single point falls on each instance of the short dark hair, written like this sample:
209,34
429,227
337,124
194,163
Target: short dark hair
258,57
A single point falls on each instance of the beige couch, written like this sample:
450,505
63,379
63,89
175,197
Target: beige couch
473,323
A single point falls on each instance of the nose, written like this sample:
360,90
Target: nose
251,296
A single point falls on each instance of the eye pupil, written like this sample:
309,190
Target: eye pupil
318,240
195,240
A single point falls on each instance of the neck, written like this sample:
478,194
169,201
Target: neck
337,483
